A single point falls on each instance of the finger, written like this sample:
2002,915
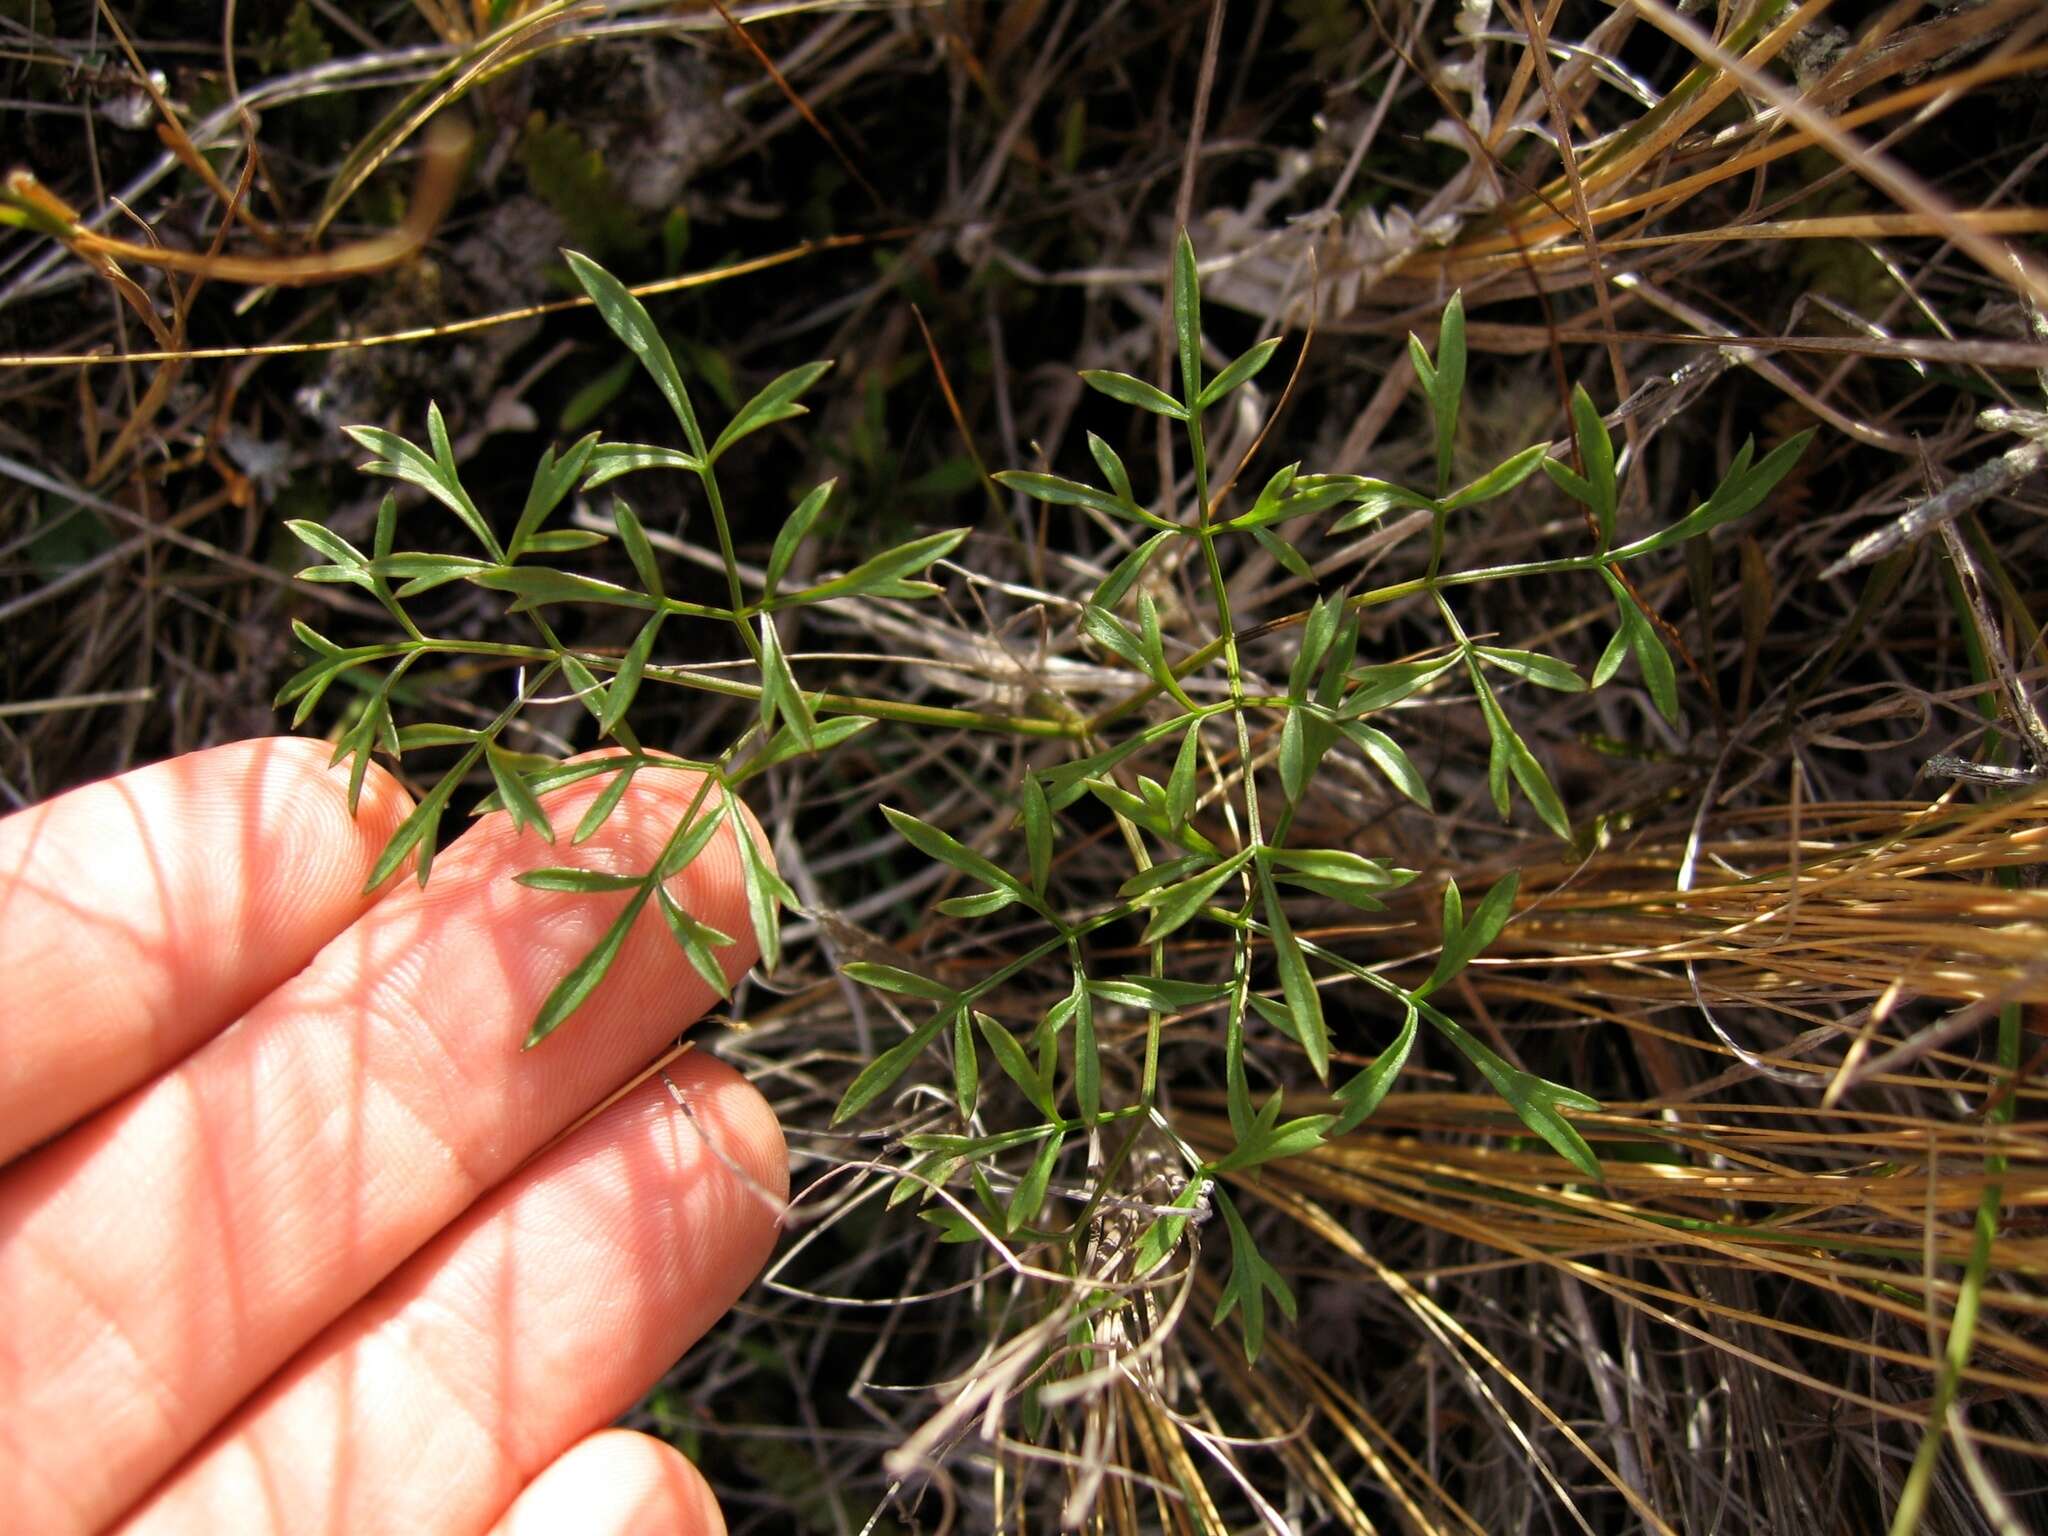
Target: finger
183,1244
616,1483
539,1316
145,913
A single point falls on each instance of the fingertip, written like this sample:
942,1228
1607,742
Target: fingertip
616,1483
740,1122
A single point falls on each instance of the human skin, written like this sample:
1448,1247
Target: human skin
293,1234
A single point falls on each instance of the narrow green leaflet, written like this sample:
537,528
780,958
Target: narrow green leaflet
1295,982
553,478
413,737
1465,939
537,586
1596,453
1382,687
766,892
966,1066
581,882
1180,783
601,809
1037,817
1244,368
1269,1138
1148,813
1284,554
1029,1194
1017,1065
1126,571
886,574
331,544
683,850
518,798
1318,630
1499,480
1187,318
1509,754
1535,1100
697,941
1154,648
1168,994
947,849
1376,498
590,693
629,321
1110,632
1087,1061
1362,1095
1385,754
1174,905
638,550
1740,493
1112,466
893,978
794,531
780,695
1160,1239
421,828
828,733
1290,494
422,573
980,904
402,460
1146,397
1543,671
574,989
611,460
1072,493
625,685
1443,382
878,1075
1639,636
1251,1278
776,402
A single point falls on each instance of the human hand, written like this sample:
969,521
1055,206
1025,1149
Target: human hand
290,1261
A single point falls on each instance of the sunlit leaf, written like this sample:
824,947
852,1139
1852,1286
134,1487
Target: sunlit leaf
1017,1065
1295,982
1544,671
514,793
574,989
1465,939
891,978
1385,754
1174,905
1037,832
794,531
629,321
1251,1277
1362,1095
1246,366
777,401
883,576
878,1075
1146,397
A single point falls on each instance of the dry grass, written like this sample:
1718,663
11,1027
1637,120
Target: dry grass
1790,949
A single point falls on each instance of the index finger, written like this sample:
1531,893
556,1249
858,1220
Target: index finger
145,913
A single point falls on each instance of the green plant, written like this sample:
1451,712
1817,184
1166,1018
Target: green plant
1209,832
785,725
